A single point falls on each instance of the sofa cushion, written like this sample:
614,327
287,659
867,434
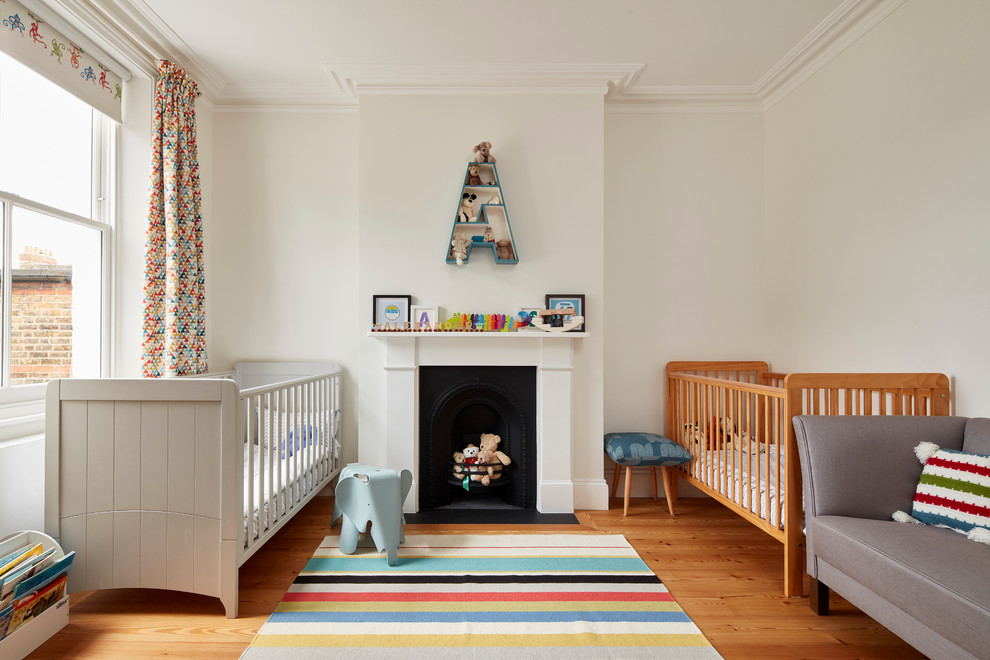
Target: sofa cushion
976,437
933,574
953,490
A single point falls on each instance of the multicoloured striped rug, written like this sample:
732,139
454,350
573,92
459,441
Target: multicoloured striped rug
480,596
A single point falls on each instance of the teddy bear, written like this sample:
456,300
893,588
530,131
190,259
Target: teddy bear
483,149
471,454
489,443
459,459
474,176
466,212
459,247
503,248
489,235
487,468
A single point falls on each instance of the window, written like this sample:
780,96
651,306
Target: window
55,194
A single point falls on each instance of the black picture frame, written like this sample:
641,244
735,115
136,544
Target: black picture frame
380,312
575,300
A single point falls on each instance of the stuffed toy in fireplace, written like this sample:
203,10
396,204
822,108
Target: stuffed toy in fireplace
489,443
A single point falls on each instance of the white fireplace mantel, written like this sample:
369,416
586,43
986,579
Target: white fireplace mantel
552,353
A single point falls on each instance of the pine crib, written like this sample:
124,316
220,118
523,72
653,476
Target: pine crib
735,419
174,483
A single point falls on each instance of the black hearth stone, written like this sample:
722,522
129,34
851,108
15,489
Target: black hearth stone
500,516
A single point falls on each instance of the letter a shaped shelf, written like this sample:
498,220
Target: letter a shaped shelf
481,221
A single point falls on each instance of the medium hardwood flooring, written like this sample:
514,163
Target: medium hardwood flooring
724,572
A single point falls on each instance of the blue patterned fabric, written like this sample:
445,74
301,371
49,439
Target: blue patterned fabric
644,449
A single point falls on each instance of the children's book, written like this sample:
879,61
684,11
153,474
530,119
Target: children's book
42,578
35,602
6,614
25,570
10,557
18,557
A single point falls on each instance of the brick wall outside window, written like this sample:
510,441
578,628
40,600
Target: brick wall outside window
41,336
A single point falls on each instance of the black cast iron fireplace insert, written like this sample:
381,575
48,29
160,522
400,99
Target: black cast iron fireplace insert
456,406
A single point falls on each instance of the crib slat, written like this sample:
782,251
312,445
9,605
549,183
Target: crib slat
99,467
181,457
126,455
154,455
207,441
126,548
72,473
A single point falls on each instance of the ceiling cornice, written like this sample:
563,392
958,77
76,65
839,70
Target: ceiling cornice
840,29
141,37
355,80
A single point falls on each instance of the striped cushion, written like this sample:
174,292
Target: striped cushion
954,490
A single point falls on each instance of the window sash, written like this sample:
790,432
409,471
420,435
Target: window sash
103,168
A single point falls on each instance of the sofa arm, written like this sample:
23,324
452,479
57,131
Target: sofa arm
864,466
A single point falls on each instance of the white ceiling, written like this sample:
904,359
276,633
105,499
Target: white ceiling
326,52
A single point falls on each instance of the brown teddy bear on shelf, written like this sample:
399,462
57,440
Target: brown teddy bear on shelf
473,176
483,149
503,248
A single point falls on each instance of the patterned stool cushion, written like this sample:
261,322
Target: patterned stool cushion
644,449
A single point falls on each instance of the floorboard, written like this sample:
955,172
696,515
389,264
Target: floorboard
724,572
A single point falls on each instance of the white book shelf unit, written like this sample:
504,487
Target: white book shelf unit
34,633
487,212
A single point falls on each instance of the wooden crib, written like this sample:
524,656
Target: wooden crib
174,483
735,419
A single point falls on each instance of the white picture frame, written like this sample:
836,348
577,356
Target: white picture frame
418,312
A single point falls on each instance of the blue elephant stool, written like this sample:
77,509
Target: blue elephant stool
366,494
649,450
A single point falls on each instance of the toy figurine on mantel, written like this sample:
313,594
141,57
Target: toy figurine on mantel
557,320
481,225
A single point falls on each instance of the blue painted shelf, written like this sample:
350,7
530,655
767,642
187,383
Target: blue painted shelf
489,204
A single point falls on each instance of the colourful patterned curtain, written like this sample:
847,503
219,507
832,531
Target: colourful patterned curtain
174,314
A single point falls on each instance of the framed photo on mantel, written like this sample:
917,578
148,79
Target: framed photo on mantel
573,301
390,309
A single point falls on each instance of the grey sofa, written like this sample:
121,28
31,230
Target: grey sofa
928,585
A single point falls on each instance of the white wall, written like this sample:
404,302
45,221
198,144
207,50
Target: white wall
282,275
877,204
134,152
684,257
550,152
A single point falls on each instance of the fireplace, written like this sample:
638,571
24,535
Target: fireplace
396,415
457,404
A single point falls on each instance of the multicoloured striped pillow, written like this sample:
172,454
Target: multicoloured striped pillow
954,490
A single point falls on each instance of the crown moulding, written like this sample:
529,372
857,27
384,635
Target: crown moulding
139,36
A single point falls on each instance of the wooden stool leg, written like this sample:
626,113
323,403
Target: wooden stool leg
653,473
668,488
625,504
615,481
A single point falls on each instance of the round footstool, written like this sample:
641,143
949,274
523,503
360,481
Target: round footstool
634,449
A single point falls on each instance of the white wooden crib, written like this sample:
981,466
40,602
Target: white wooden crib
174,483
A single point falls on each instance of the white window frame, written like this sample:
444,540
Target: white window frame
22,407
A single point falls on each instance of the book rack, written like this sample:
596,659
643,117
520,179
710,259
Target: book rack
20,643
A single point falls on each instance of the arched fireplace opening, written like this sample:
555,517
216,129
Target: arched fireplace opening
458,405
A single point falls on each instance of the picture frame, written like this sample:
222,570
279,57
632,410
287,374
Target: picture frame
417,314
390,309
574,301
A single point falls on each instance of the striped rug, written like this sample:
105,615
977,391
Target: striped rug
480,596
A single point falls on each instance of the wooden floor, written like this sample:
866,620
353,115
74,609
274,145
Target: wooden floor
725,573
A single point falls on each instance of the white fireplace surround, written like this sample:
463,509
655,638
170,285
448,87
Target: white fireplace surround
551,353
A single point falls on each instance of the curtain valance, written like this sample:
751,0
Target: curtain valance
30,40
